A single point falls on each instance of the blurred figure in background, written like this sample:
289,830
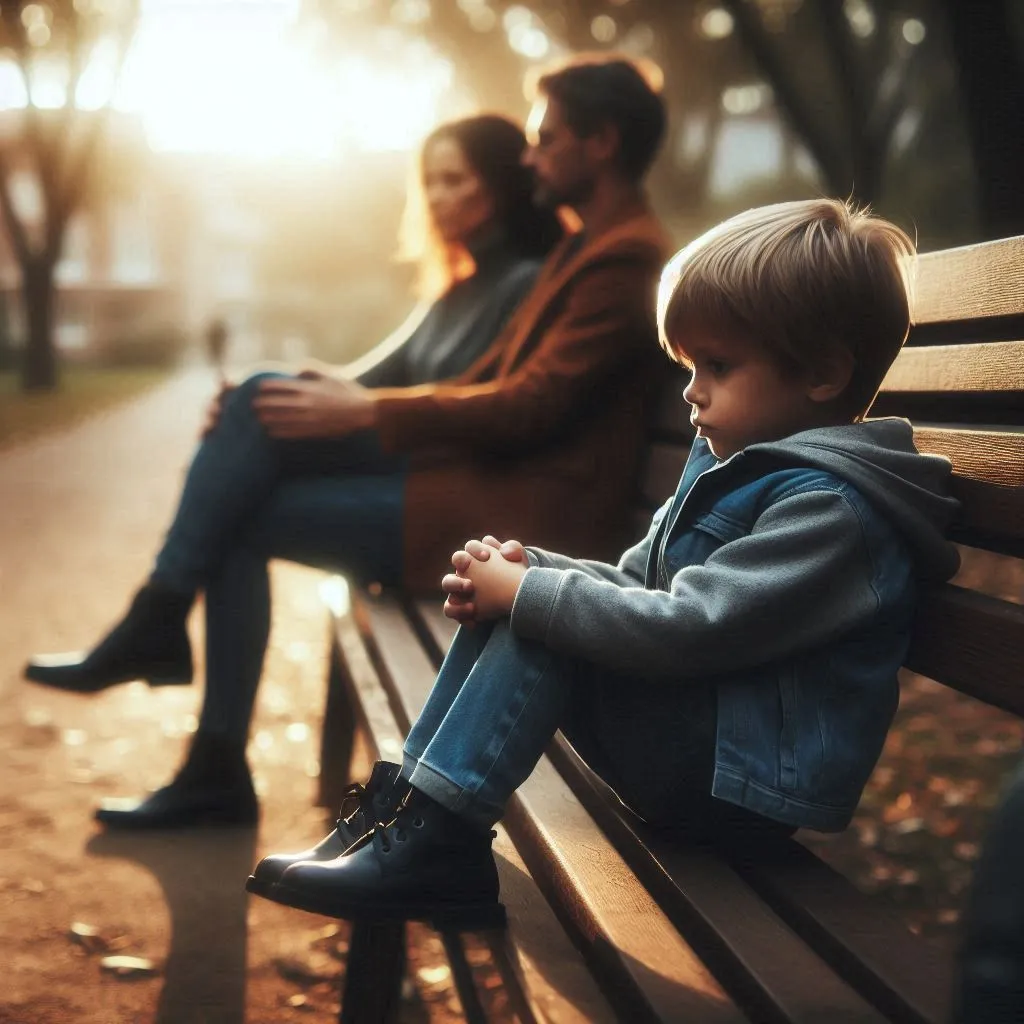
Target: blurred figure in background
540,435
217,347
990,976
479,240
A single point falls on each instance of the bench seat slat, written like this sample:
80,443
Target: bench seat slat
549,976
775,974
996,366
647,965
866,941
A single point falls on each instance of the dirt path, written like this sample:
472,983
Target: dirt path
80,516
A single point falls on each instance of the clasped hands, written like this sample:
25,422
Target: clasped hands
315,403
486,580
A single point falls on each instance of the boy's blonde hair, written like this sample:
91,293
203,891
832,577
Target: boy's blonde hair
804,280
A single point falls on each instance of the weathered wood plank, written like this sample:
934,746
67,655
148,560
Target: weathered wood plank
775,974
651,973
996,366
545,976
973,281
973,643
989,456
868,943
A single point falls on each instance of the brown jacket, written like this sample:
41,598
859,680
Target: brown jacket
540,438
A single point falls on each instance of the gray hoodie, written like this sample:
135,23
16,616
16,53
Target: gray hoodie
797,573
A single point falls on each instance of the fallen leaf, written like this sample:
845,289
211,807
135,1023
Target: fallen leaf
129,967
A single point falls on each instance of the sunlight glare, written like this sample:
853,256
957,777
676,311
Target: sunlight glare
233,78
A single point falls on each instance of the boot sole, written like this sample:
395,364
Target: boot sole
449,917
75,686
126,822
259,887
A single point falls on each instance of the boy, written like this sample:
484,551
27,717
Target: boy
735,675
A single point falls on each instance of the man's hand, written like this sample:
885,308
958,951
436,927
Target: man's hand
314,406
500,583
216,406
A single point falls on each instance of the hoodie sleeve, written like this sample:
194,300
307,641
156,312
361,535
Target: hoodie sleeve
631,570
802,577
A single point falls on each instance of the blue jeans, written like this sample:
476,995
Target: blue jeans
248,498
498,700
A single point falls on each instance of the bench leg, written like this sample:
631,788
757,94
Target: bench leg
337,737
373,973
462,975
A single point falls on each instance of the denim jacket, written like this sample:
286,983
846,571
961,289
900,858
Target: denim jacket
788,575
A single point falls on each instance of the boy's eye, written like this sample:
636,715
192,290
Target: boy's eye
717,366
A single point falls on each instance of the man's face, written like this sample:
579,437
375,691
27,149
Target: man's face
738,396
563,168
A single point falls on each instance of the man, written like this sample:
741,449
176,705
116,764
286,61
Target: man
540,437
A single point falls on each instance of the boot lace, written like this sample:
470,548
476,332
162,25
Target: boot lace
356,792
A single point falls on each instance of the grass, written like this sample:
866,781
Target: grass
82,393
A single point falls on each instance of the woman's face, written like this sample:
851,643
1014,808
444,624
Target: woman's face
459,201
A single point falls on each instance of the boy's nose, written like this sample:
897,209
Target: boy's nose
692,394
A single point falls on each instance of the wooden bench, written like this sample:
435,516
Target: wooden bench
608,919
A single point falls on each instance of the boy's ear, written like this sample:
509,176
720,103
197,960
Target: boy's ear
829,380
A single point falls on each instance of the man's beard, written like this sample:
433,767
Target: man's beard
573,195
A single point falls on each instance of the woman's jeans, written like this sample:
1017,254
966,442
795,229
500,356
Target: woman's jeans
248,498
497,702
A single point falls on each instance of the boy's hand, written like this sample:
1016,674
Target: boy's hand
462,602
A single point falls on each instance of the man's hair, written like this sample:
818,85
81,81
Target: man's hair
803,280
594,90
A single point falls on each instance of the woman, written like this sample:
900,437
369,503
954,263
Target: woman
322,500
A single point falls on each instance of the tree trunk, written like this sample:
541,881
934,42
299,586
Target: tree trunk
39,363
992,80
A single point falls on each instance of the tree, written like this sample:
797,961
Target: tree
987,46
840,73
59,143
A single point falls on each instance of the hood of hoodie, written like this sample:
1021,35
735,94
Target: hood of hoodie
879,458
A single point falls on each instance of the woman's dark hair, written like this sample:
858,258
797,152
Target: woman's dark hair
493,147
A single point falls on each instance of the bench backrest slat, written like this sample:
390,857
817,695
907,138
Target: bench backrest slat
973,283
994,366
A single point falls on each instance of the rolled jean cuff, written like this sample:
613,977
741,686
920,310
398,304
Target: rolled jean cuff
451,795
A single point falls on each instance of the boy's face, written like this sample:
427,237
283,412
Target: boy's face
738,395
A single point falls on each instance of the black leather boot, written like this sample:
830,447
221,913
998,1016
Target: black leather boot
149,643
427,865
377,801
213,787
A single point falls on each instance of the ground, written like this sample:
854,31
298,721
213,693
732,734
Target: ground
82,513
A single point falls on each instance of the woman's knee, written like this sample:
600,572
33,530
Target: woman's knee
238,402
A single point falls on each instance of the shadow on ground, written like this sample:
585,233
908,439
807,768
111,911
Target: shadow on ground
202,875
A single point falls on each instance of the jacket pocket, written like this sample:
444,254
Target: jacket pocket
698,540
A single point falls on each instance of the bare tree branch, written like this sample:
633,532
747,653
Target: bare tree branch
74,183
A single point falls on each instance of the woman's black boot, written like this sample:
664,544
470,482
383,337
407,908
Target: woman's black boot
150,643
213,787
